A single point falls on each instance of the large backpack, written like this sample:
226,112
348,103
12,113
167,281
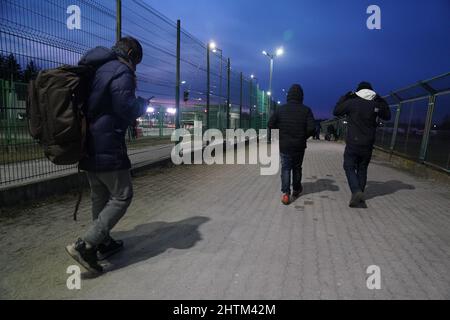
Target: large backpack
55,111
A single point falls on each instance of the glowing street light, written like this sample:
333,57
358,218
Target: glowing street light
213,46
279,52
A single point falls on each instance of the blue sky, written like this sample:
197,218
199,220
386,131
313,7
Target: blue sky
328,46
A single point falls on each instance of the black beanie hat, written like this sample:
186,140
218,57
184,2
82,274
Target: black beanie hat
295,93
364,85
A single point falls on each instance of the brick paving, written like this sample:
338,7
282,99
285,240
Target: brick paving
220,232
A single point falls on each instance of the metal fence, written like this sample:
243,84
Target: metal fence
188,80
419,128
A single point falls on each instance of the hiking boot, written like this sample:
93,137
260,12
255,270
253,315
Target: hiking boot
297,193
104,251
356,200
86,257
285,199
363,204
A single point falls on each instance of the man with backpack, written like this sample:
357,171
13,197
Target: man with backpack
296,124
111,108
362,108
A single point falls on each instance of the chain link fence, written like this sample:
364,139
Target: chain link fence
36,35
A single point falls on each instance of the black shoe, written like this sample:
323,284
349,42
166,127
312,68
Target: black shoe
105,251
86,257
356,200
297,193
363,204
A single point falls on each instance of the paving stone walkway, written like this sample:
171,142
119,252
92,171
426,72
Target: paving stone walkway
220,232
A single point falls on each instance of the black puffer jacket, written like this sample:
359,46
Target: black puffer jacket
362,110
295,122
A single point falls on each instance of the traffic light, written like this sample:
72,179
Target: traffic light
186,96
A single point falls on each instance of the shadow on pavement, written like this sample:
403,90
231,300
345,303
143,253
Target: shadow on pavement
151,239
319,186
378,189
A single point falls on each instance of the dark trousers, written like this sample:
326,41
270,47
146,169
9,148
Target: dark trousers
356,162
291,164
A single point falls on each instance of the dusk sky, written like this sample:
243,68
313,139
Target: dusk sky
328,47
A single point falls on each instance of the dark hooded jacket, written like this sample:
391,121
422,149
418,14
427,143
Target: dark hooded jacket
362,110
111,108
295,122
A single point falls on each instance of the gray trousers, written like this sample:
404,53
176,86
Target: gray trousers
111,194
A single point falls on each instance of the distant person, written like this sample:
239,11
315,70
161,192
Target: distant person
112,108
317,132
331,133
362,109
296,124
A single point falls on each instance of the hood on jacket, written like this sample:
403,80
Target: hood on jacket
364,85
366,94
295,94
97,57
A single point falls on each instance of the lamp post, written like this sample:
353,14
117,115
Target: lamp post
279,52
214,49
252,77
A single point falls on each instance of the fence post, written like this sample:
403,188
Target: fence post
118,19
395,129
161,121
240,101
228,92
208,84
177,92
397,119
427,128
251,104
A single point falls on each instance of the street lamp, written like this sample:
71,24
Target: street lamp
252,96
279,52
214,49
212,46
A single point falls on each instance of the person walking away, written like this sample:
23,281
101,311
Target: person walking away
362,109
296,124
112,108
331,132
317,133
